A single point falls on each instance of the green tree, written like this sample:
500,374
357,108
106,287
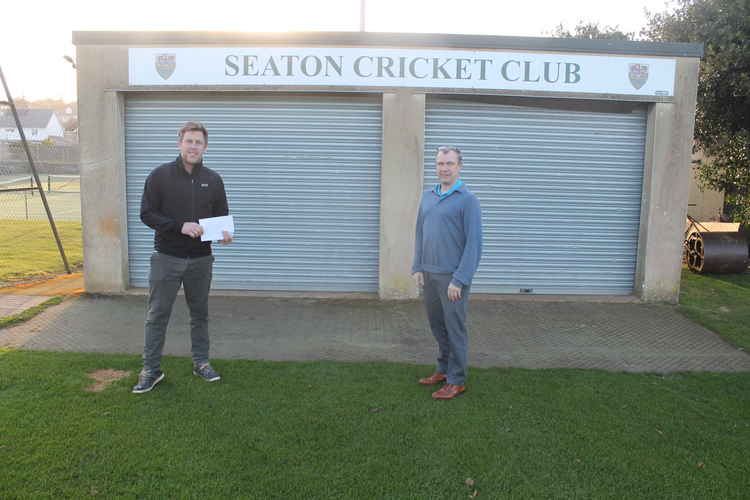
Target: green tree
591,31
722,121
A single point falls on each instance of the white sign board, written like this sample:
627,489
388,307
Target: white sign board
373,67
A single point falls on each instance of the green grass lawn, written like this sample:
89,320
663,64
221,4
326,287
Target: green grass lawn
29,250
720,302
341,430
368,430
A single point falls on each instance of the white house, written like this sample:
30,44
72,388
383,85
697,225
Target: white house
38,125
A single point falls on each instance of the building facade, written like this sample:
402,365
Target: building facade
578,150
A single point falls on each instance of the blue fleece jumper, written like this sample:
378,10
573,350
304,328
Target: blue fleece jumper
448,248
449,234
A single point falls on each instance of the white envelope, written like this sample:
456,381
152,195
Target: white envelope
214,226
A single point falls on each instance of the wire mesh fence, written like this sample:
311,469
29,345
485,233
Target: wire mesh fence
20,198
28,249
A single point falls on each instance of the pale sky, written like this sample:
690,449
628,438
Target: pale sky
36,34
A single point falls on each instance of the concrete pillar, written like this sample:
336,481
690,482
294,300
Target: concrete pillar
103,203
401,180
667,173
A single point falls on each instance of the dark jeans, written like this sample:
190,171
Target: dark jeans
448,325
166,276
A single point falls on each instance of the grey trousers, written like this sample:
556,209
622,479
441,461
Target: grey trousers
448,324
166,276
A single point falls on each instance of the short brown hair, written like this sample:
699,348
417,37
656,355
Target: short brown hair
448,149
193,126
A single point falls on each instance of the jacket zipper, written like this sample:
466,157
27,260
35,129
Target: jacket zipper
192,198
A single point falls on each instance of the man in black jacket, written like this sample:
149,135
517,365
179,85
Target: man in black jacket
175,196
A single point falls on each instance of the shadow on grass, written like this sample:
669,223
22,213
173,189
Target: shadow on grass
720,303
739,279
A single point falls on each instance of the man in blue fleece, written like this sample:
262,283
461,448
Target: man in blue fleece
446,255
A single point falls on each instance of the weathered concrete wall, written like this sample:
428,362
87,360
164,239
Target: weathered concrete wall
703,204
667,172
400,190
103,203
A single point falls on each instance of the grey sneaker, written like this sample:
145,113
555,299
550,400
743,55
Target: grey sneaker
147,381
205,372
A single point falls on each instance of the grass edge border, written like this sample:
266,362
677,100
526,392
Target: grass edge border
15,319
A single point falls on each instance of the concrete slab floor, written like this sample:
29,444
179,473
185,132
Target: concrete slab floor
611,336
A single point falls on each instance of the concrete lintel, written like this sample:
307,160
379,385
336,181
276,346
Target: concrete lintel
373,39
365,89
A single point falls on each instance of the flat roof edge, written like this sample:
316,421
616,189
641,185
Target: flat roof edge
132,38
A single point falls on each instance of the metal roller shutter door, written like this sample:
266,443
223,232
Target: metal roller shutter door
302,175
560,193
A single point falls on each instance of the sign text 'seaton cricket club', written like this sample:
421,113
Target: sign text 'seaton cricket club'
366,67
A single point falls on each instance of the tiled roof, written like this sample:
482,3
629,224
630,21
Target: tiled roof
30,118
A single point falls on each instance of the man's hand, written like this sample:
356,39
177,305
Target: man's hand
454,293
419,279
192,229
227,238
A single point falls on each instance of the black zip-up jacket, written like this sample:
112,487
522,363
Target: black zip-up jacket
172,197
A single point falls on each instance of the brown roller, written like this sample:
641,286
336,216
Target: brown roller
717,252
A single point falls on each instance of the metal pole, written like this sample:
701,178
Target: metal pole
33,171
362,15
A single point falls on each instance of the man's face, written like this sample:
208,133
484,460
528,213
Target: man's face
447,167
192,145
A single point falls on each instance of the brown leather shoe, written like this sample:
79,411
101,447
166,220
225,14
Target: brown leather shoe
433,379
448,391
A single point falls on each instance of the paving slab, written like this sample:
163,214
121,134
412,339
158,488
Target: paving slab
16,298
16,304
610,336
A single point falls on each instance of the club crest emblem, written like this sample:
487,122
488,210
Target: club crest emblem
638,75
165,64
